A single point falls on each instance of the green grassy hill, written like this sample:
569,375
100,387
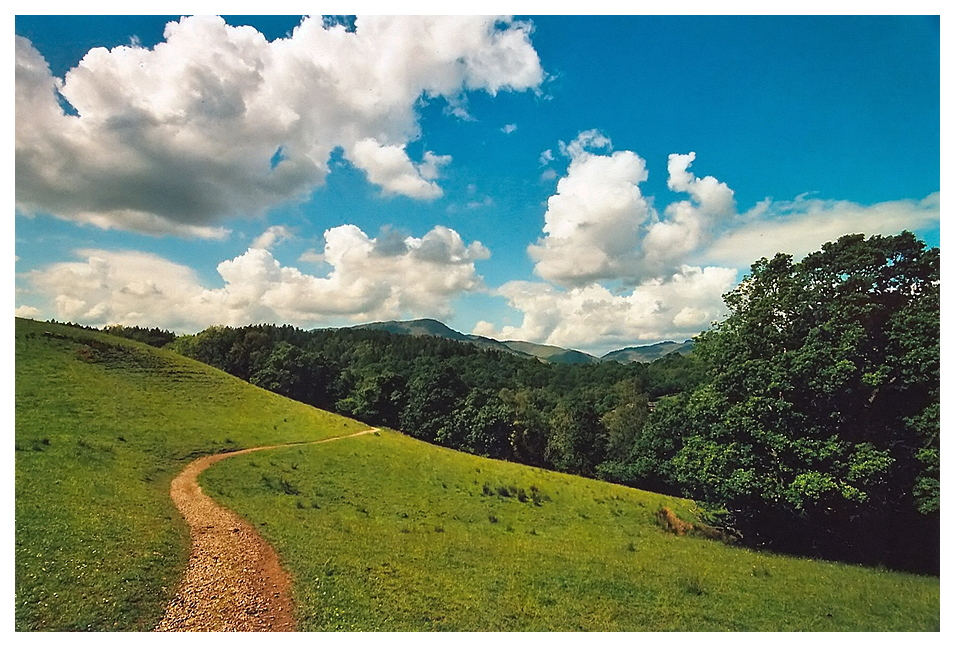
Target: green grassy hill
386,533
102,426
379,532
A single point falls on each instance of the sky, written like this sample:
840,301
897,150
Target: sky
591,182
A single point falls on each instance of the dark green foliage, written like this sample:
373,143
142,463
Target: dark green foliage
377,399
301,375
433,394
819,428
624,422
528,423
481,425
153,336
576,443
486,402
672,374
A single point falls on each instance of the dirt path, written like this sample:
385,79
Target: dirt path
234,581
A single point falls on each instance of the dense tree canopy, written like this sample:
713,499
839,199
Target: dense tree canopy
819,427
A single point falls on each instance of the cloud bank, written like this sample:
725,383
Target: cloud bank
216,121
368,278
612,269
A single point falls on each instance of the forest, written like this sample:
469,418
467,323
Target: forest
807,421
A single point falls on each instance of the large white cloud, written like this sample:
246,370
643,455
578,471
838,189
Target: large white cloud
592,223
617,271
599,226
216,121
595,319
368,278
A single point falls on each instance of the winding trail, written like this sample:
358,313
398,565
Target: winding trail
234,581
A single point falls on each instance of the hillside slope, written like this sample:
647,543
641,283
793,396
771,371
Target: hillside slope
553,354
433,328
386,533
102,426
380,532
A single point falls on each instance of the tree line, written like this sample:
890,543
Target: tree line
573,418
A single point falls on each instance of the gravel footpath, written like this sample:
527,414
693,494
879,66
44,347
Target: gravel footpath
234,581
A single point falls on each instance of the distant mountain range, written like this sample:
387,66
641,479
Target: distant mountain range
648,353
554,354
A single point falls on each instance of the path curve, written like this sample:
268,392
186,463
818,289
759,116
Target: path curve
234,581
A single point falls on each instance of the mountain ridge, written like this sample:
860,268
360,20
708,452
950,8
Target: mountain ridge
544,352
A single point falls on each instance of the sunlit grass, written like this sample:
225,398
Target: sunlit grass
387,533
102,426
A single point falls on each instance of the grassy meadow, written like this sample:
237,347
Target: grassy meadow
386,533
380,532
102,426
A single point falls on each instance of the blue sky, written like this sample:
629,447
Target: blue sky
591,182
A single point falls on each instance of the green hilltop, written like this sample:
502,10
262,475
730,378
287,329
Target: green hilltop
648,353
380,532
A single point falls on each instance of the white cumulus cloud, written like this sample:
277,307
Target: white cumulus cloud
369,278
595,319
599,225
216,121
592,223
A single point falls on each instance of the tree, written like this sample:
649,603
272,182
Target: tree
480,425
576,442
250,348
819,428
153,336
625,421
301,375
528,424
378,399
433,394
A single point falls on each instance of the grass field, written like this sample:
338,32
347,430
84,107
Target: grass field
102,426
379,532
385,533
